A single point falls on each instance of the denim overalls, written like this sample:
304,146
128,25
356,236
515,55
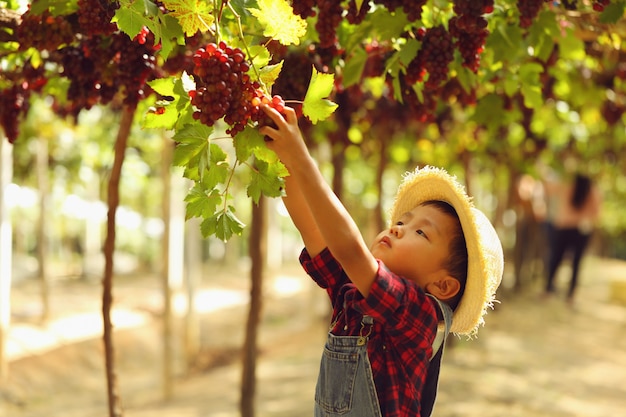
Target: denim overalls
345,385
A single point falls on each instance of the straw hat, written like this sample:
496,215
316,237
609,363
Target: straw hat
484,250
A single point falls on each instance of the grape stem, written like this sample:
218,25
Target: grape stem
227,185
245,45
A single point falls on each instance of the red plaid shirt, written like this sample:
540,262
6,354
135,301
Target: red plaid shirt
405,325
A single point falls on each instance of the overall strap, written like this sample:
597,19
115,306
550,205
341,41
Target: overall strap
431,384
442,331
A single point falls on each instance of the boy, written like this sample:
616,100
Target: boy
381,358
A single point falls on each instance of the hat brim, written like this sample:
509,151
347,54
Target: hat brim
484,250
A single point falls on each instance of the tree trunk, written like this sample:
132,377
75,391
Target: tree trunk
193,261
126,121
166,201
257,255
42,227
6,174
173,264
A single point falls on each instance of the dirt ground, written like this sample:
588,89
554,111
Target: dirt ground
534,357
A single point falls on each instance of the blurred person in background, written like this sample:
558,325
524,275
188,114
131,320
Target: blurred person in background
575,213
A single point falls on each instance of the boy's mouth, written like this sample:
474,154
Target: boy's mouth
386,241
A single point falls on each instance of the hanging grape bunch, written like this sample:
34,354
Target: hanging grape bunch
224,89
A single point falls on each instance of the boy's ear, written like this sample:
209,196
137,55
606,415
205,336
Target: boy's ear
445,288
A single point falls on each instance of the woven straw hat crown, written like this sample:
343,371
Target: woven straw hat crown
484,250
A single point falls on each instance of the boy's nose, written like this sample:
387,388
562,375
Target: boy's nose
396,230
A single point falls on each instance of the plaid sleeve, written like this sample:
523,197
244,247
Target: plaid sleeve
324,269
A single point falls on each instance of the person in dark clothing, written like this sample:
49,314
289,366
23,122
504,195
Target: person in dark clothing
578,208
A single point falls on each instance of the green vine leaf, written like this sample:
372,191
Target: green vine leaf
193,16
316,105
214,170
168,113
192,151
133,15
200,204
354,67
223,225
279,21
55,7
612,13
266,179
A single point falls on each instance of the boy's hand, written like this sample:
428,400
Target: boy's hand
285,138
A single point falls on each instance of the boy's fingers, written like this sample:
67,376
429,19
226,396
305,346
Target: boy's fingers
268,132
271,112
290,115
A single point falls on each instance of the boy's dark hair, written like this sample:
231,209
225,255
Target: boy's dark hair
456,265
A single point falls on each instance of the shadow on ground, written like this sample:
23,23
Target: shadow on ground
534,357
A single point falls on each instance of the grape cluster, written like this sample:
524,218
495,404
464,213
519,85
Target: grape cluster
528,10
377,54
225,90
434,56
134,65
295,76
453,91
181,59
13,103
100,67
354,15
412,8
328,18
599,5
94,16
612,112
43,31
303,8
422,111
469,27
83,66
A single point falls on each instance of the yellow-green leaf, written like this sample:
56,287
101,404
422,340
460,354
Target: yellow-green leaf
270,73
316,105
279,21
193,15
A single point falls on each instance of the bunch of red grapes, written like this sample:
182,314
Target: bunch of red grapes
433,58
13,104
94,16
599,5
43,31
225,90
469,27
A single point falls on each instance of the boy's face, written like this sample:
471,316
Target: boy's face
417,246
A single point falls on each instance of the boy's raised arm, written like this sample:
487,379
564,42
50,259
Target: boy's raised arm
309,189
303,218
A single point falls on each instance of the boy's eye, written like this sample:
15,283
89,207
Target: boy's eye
399,223
421,232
